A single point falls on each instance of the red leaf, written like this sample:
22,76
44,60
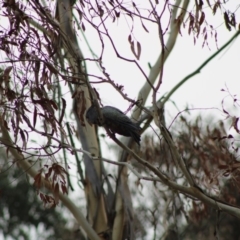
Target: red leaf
37,180
56,192
64,188
202,18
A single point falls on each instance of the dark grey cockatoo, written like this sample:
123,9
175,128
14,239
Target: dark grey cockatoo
115,120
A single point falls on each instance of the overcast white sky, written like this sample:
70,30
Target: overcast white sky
202,91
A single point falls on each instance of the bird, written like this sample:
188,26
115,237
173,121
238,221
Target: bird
115,120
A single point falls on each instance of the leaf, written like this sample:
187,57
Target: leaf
204,30
74,94
56,192
139,49
202,18
205,36
117,14
111,3
83,27
6,73
200,4
38,180
53,104
233,20
227,21
13,123
130,38
179,23
24,107
144,27
80,14
191,22
235,125
132,49
208,3
215,7
64,188
138,53
225,111
6,125
51,68
48,174
34,116
82,3
26,133
63,110
23,138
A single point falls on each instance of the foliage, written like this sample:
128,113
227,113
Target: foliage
20,207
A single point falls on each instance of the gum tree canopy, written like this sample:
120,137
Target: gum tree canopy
62,177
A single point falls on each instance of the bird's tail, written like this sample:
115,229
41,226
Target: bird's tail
135,133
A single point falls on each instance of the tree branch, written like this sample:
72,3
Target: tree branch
198,70
192,191
28,168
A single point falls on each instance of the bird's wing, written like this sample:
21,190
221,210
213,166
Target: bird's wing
121,119
119,123
106,108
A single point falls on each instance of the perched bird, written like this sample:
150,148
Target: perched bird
115,120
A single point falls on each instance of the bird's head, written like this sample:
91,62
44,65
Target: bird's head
93,117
